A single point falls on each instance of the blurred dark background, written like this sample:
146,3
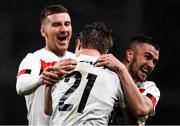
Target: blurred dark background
19,34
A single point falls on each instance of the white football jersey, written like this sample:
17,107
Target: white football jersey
149,89
86,96
28,76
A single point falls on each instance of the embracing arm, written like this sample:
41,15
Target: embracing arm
26,85
29,78
61,68
28,75
139,105
48,100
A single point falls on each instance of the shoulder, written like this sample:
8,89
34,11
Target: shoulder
33,54
149,84
41,52
31,58
150,87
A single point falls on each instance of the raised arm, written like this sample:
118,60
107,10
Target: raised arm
138,104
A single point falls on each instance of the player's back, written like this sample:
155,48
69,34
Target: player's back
86,96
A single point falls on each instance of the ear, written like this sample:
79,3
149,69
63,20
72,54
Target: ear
43,31
78,47
129,55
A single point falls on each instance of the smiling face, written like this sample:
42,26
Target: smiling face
144,59
57,31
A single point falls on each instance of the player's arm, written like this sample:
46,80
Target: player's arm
29,78
51,74
48,100
64,66
28,75
26,85
138,104
61,68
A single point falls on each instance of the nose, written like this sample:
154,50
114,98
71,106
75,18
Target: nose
151,64
63,28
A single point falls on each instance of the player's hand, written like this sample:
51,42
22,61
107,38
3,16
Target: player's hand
48,77
64,66
110,62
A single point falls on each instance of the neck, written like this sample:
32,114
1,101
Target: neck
91,52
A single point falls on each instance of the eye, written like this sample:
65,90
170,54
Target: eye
148,56
55,24
67,23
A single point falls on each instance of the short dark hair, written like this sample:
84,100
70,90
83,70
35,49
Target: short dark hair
96,36
52,9
143,39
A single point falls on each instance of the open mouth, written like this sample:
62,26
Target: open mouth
145,71
62,38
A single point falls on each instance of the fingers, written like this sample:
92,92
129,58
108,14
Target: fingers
51,74
65,63
100,63
68,61
103,60
67,67
64,66
109,61
48,77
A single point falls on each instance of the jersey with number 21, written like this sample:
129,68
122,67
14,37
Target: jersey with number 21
86,96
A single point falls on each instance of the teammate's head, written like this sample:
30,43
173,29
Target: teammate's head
96,36
56,28
141,56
